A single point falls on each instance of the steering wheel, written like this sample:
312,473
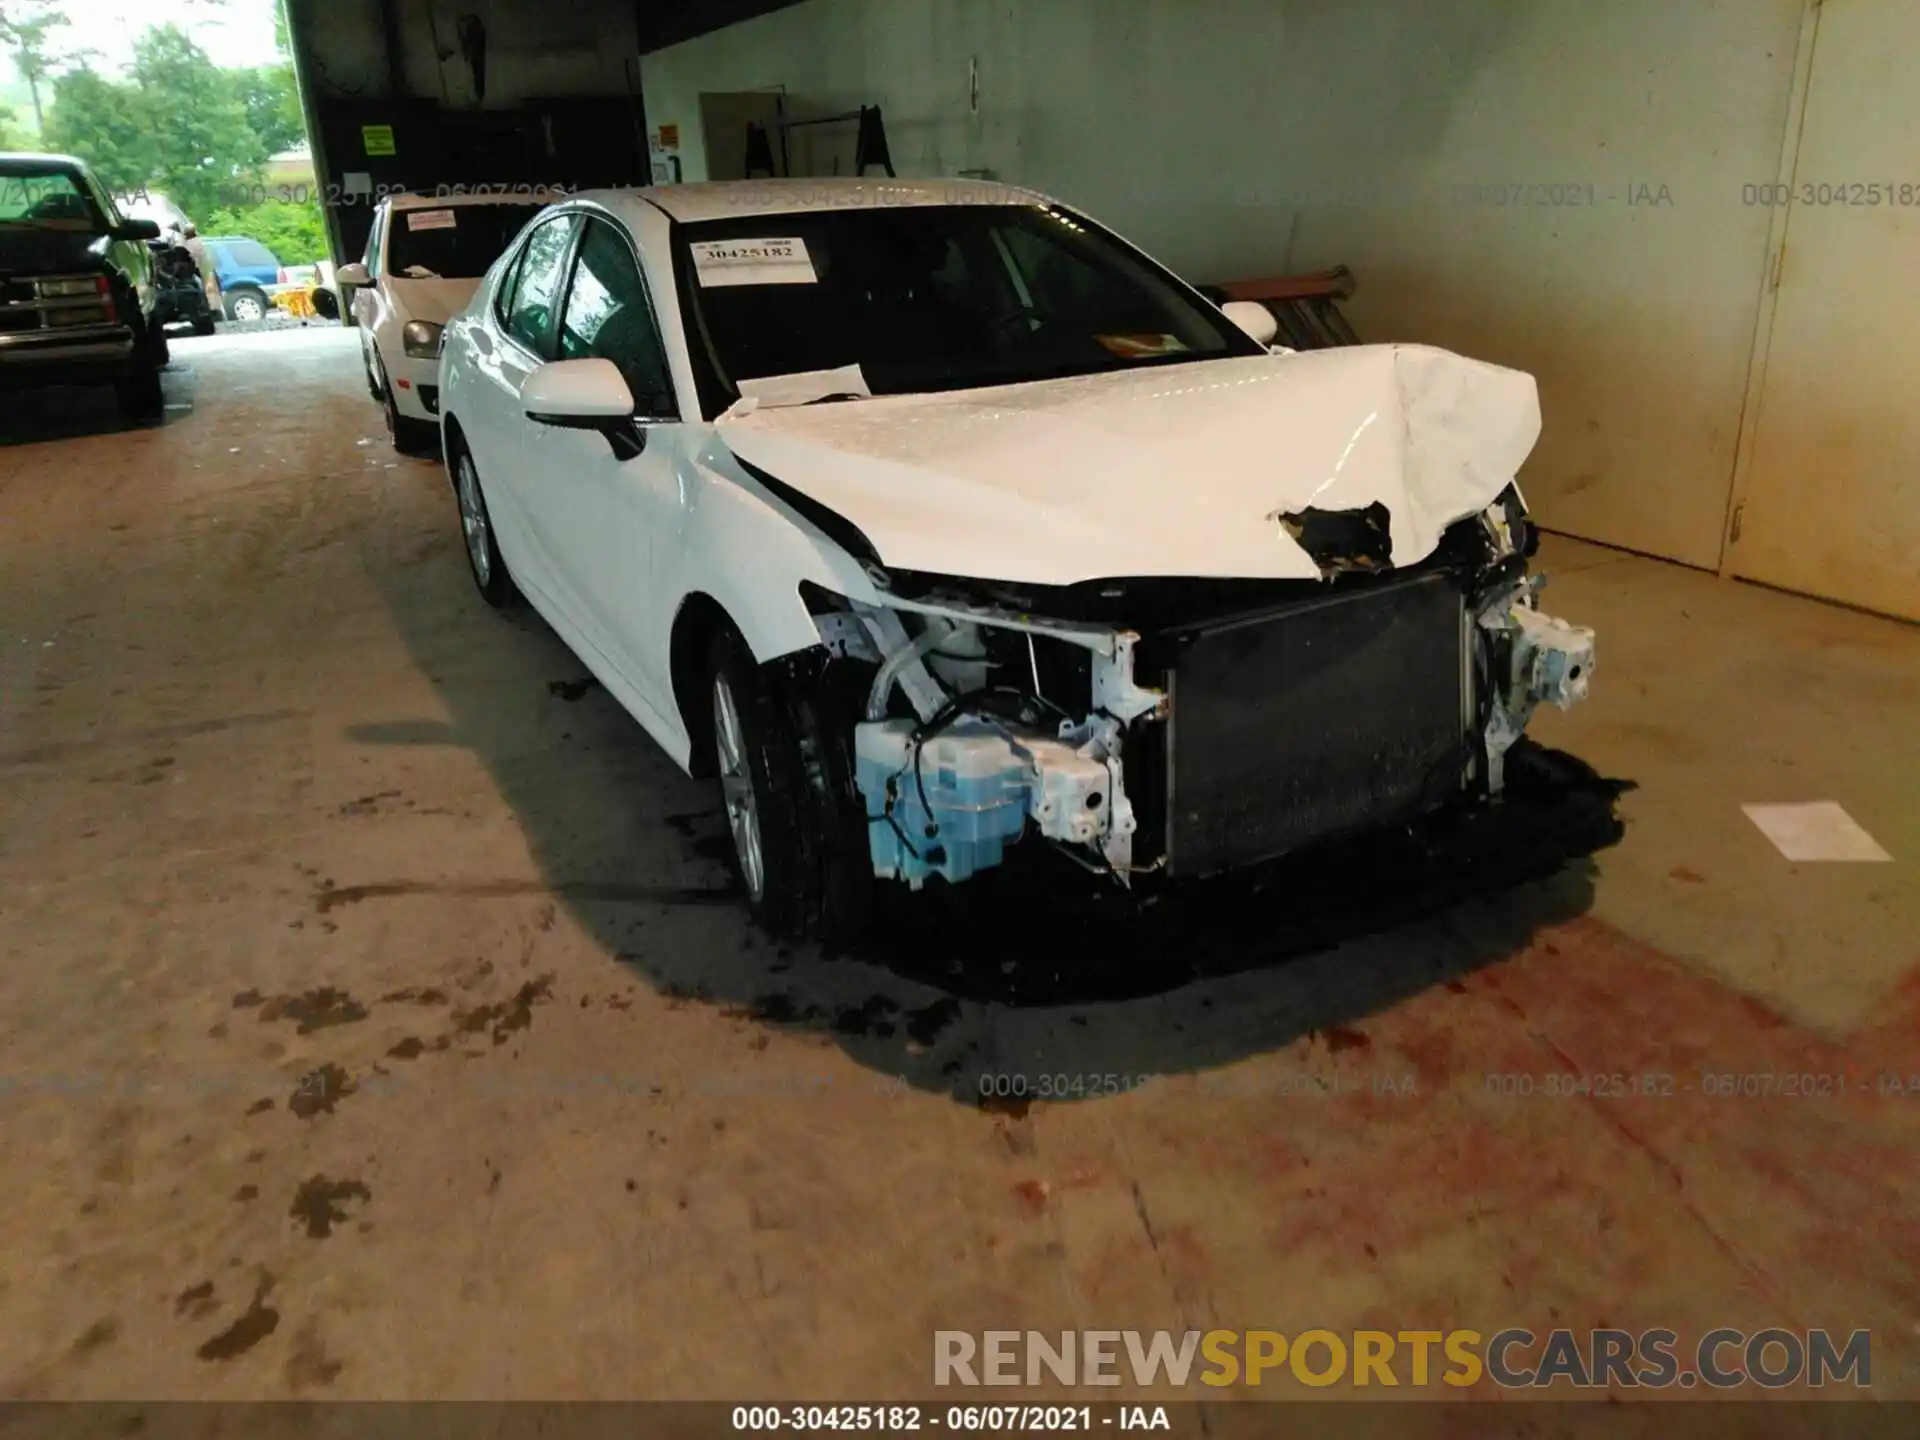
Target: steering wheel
1007,319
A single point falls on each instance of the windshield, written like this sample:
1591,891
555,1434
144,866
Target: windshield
250,254
937,297
460,242
49,199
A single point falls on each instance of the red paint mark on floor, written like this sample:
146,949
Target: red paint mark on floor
1594,1120
1033,1194
1340,1038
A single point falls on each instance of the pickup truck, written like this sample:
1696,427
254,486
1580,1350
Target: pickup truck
77,289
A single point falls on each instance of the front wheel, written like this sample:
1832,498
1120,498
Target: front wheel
139,395
409,436
476,529
247,307
799,839
203,325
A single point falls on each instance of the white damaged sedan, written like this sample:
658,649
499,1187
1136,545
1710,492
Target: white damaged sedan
928,518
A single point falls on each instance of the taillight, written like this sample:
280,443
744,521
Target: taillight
102,285
283,276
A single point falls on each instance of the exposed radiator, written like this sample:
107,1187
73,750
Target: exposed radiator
1340,715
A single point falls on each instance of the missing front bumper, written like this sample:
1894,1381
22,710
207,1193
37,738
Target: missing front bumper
1240,739
1286,729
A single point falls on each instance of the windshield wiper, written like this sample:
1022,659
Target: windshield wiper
836,396
418,272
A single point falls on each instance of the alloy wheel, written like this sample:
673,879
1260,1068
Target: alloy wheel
473,522
736,787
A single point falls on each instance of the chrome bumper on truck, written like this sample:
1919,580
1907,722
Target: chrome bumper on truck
77,355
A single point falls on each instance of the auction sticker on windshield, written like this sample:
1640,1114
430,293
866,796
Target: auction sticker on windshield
782,261
432,220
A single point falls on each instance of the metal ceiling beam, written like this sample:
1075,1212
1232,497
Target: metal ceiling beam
668,22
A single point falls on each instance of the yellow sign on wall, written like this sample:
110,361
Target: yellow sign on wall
377,140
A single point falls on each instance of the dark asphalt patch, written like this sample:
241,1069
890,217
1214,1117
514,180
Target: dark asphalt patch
320,1204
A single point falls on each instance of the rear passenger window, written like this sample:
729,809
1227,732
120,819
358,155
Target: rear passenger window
531,316
509,284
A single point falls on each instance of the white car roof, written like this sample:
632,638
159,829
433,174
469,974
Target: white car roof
409,201
722,199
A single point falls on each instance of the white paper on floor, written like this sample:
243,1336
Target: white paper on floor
1820,830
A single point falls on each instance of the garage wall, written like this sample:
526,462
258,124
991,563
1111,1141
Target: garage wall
1238,138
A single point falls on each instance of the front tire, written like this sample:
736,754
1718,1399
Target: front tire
139,396
410,436
247,307
203,325
484,560
780,748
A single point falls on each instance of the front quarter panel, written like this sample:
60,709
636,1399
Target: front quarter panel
743,549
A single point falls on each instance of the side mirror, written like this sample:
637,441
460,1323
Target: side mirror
139,230
354,275
584,395
326,304
578,395
1254,318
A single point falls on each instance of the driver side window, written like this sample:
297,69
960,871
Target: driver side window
609,317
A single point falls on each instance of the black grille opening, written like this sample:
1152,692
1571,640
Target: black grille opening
1317,721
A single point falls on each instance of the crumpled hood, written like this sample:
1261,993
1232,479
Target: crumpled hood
1177,470
434,301
29,251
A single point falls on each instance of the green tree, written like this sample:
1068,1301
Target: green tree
203,143
28,29
12,137
109,125
295,233
178,123
271,98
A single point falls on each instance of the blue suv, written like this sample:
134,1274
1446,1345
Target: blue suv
246,272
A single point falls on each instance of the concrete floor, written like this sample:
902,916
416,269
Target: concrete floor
378,1024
